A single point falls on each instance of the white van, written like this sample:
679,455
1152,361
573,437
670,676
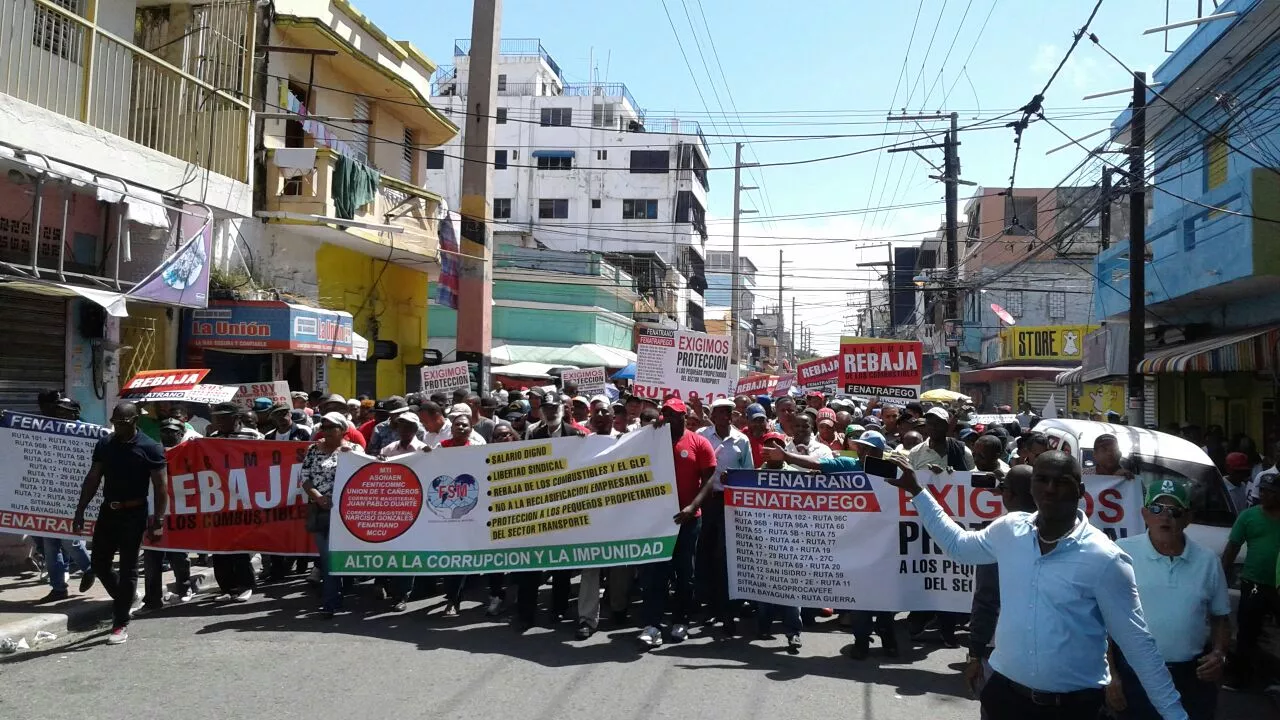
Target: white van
1154,456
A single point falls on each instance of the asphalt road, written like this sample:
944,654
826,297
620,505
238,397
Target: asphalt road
269,658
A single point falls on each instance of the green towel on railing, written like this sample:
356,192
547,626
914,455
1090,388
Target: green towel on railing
354,184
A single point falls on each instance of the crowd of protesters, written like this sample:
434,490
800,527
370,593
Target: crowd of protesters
1074,590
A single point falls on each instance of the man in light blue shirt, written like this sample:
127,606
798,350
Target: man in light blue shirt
733,452
1064,586
1184,599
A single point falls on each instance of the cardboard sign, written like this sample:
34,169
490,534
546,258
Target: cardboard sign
276,390
822,374
757,384
683,364
446,378
590,381
151,381
43,462
873,367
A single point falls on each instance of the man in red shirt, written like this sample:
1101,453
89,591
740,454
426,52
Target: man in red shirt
757,429
695,463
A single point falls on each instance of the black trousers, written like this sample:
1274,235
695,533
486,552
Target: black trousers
1199,698
527,584
1256,603
1002,701
233,573
712,570
119,531
153,565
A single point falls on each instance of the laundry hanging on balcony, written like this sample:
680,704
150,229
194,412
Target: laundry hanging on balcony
295,162
323,135
354,184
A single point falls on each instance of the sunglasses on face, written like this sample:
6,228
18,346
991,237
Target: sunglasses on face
1173,512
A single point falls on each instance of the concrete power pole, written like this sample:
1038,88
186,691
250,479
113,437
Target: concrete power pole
475,286
951,178
1137,249
736,285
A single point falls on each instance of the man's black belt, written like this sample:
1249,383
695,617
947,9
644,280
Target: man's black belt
123,504
1052,699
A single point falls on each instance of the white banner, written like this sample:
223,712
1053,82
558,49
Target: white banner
852,541
590,381
538,505
683,364
277,391
446,378
199,394
43,462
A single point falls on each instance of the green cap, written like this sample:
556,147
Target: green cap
1172,489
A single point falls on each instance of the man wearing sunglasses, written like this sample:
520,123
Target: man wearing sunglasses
1184,599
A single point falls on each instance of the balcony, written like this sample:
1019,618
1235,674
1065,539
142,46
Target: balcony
513,47
72,66
1198,256
307,203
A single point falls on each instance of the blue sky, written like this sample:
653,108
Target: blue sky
834,69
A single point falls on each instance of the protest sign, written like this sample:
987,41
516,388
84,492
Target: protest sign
590,381
683,364
43,463
446,378
853,541
873,367
822,374
539,505
174,386
277,391
786,381
234,496
757,384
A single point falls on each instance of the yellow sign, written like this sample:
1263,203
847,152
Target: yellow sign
1044,342
1097,399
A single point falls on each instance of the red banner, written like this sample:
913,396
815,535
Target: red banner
881,368
821,374
758,384
228,496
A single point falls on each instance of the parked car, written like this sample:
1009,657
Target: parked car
1155,456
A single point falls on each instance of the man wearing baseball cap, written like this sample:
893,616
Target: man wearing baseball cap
1258,528
733,452
1179,583
695,463
940,451
1239,473
757,429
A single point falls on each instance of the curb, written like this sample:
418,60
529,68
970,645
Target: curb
81,616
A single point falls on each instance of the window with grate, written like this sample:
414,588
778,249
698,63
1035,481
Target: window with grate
502,83
435,159
1013,302
553,209
1057,305
57,33
501,116
603,115
360,129
639,209
555,163
562,117
408,154
502,208
499,159
650,161
595,203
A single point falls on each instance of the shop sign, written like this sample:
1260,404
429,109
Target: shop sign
268,326
1044,342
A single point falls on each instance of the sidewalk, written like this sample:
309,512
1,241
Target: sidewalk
21,614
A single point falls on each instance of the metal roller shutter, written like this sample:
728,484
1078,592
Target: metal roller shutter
33,333
1039,392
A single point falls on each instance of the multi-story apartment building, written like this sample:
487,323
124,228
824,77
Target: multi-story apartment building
719,298
579,167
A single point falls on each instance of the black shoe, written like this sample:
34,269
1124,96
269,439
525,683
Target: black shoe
794,644
86,582
585,631
730,627
521,625
325,614
53,596
860,649
949,641
891,649
400,606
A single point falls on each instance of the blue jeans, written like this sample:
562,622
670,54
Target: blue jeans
330,584
789,616
57,554
656,576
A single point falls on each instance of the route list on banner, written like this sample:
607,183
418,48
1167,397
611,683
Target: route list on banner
43,461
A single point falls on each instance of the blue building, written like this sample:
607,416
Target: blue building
1213,232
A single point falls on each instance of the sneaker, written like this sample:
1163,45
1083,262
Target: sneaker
679,632
651,636
118,636
244,596
53,596
186,596
495,606
794,643
86,582
451,611
223,598
168,598
825,612
146,607
585,630
400,606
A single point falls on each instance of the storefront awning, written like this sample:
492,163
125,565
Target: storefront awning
1010,372
1070,377
553,153
272,326
1243,351
584,355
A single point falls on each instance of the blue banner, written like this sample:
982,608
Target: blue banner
270,326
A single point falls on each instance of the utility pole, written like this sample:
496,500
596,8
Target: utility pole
793,333
1104,214
1137,248
781,349
475,284
951,178
735,286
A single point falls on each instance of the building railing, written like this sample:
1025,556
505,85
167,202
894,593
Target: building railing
513,47
676,126
65,63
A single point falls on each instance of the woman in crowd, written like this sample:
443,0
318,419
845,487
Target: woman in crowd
319,466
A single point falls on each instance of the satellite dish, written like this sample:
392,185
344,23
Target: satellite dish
1003,314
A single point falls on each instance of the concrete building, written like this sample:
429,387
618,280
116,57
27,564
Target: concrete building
579,167
344,106
719,298
114,156
1213,241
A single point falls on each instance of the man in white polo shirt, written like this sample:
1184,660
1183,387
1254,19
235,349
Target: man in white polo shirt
733,452
1184,599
